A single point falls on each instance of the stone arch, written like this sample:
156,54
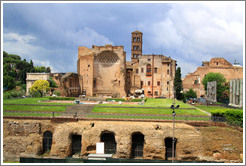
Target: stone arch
169,147
110,144
47,141
137,144
76,145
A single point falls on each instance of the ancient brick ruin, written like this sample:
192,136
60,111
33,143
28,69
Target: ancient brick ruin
215,65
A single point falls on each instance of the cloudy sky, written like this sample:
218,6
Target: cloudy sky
50,33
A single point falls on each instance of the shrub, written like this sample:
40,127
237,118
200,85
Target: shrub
61,98
124,100
7,95
35,94
233,116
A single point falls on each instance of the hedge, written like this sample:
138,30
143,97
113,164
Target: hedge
61,98
233,116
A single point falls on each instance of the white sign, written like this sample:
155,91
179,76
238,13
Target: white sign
100,148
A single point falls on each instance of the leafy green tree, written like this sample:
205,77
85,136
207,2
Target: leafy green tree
47,70
178,84
190,94
8,82
40,86
219,78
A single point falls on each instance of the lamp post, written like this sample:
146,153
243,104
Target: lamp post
174,114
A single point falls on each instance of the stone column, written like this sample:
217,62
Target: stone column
231,93
237,92
241,93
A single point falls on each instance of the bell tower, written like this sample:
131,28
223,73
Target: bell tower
136,49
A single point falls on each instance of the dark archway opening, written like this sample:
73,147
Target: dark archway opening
169,147
47,141
76,145
109,143
137,145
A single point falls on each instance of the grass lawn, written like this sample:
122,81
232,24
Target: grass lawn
29,114
154,103
213,108
147,111
34,108
149,117
32,101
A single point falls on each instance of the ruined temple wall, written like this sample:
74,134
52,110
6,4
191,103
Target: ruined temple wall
85,70
109,76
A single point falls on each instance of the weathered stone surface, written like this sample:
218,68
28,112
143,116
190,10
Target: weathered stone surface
192,144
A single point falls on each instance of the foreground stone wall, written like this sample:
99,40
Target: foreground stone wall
24,138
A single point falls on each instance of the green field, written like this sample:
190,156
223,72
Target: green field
39,101
147,111
213,108
34,108
154,103
29,114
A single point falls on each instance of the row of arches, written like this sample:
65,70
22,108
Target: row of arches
110,145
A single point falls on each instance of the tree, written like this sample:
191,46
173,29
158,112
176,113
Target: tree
40,86
178,84
190,94
219,78
47,70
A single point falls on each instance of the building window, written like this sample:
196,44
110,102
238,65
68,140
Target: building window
137,47
142,70
217,63
137,55
89,66
167,71
134,39
168,64
155,69
148,59
141,84
138,39
149,92
134,47
158,83
134,55
167,82
137,71
148,83
148,70
94,83
156,93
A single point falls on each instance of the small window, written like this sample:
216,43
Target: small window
134,47
168,64
148,70
167,82
156,93
217,63
142,70
134,39
155,69
149,92
137,55
148,59
149,83
158,83
89,66
134,55
137,71
167,71
137,47
138,39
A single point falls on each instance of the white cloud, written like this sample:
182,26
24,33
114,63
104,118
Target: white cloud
201,31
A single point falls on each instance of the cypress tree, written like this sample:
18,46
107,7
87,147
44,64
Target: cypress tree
178,84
